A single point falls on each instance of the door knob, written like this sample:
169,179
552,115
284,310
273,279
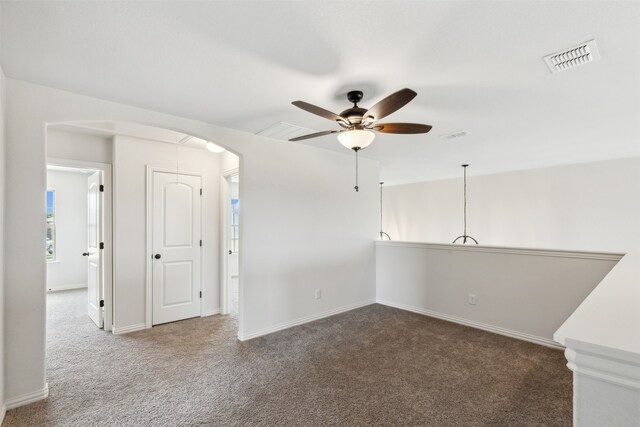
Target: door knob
230,252
85,254
157,256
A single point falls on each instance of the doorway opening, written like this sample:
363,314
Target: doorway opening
231,242
175,265
78,218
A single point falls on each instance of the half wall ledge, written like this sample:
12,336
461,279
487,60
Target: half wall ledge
602,340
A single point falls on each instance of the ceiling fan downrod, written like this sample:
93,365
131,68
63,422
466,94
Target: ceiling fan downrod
354,97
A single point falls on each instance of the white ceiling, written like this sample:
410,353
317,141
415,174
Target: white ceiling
475,65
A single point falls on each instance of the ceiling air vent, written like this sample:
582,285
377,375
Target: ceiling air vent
285,131
455,135
573,57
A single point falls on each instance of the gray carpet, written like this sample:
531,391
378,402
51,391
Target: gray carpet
371,366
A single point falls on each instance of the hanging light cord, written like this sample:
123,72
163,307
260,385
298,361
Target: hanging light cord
465,202
464,236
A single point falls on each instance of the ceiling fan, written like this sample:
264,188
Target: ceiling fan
359,124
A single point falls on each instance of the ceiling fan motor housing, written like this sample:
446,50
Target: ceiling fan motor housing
353,115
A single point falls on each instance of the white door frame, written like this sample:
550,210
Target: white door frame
149,251
107,226
224,235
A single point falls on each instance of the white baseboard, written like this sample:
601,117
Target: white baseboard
302,320
478,325
67,287
27,398
3,412
210,312
127,329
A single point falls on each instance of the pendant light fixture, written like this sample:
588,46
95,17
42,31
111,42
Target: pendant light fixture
382,233
464,236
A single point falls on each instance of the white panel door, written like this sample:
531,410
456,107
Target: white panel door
176,247
94,254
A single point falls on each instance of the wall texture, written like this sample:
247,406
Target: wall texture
523,293
298,201
590,206
70,267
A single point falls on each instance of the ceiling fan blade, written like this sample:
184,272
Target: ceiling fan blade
318,111
390,104
314,135
401,128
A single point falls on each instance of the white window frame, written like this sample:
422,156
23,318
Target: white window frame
53,228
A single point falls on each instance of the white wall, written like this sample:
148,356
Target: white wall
78,146
523,293
69,269
131,157
303,225
2,209
590,206
228,162
303,228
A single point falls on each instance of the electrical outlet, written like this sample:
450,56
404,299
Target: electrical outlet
472,299
318,293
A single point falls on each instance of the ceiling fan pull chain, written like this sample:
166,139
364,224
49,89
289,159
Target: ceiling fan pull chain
356,150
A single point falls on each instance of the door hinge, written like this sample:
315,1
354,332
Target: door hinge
101,188
200,294
101,303
201,191
101,245
200,242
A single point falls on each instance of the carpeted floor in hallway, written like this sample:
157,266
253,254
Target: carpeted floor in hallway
372,366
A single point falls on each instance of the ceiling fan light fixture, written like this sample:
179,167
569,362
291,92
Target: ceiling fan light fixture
356,138
214,148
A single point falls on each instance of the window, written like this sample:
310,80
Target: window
51,226
235,226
